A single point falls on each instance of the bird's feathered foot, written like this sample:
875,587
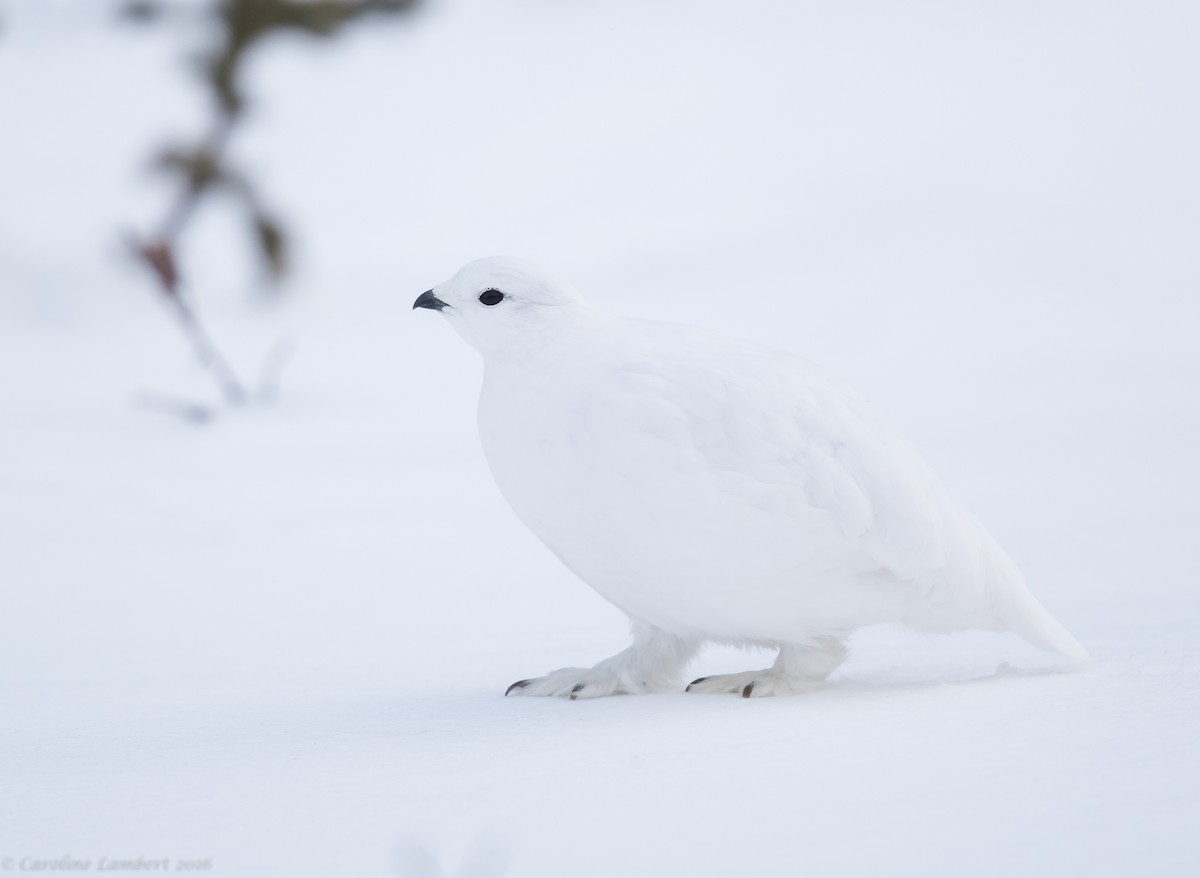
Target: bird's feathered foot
797,670
753,684
652,664
578,683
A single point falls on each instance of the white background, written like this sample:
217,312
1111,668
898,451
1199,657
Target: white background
281,640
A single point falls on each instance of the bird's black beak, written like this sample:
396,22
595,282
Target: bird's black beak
428,300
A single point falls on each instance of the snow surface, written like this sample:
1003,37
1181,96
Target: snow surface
281,640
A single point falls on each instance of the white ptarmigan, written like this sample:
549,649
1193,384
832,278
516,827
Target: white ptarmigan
716,490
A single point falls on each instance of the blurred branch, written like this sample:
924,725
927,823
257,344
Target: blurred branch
203,168
160,258
271,375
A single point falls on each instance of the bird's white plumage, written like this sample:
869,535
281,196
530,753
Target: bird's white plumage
718,490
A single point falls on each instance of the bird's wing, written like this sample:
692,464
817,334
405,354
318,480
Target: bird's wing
779,429
778,435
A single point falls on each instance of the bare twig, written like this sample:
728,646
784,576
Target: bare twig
241,25
159,256
271,373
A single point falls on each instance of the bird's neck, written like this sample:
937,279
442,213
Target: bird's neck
564,335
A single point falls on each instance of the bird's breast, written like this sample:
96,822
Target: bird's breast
607,471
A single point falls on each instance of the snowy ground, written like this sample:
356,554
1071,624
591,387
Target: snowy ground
280,641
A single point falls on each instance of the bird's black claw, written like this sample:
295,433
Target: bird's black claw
695,682
575,692
749,688
520,684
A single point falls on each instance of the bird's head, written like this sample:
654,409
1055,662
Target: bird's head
500,303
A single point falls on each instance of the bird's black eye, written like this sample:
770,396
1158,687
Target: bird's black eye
491,297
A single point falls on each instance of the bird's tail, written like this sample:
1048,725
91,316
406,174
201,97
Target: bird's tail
1023,614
